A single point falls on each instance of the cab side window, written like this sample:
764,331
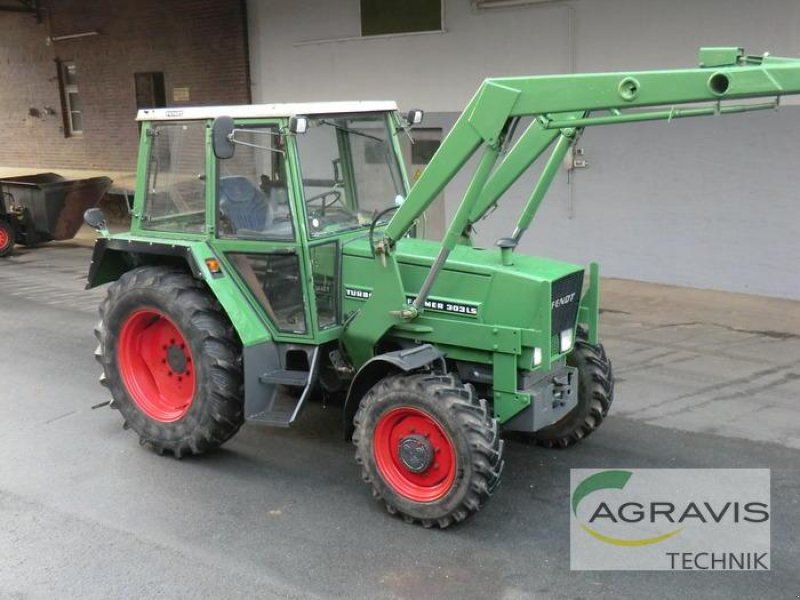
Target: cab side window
175,198
274,279
252,196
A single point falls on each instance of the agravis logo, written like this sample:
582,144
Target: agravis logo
606,480
716,519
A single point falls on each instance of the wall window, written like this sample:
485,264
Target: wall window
150,90
481,4
422,150
70,98
382,17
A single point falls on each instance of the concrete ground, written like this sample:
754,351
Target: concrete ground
705,361
704,379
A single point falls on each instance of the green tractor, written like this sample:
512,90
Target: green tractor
273,255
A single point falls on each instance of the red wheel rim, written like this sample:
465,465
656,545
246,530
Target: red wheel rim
5,239
414,454
156,364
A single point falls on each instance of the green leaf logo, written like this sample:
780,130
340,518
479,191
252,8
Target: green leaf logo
599,481
611,480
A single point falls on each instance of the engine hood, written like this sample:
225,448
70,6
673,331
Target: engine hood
469,259
474,284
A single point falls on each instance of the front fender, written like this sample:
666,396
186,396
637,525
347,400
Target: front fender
589,311
378,367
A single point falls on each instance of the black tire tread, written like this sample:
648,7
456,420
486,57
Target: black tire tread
221,355
597,377
472,414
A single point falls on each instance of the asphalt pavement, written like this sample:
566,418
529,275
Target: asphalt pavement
87,513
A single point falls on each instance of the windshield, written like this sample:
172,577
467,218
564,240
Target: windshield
350,172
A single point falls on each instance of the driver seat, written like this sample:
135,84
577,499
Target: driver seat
244,205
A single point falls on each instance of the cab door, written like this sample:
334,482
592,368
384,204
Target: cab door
256,229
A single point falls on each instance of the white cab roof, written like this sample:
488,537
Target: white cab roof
255,111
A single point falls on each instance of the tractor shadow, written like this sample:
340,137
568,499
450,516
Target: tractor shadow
313,455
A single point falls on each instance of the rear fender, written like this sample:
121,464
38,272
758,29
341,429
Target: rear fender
114,257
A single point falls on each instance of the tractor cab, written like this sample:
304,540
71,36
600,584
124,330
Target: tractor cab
279,192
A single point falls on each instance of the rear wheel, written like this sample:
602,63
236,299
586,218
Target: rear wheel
6,238
428,447
595,395
171,361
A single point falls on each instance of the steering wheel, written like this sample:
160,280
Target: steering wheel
334,193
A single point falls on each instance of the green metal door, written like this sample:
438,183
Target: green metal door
257,230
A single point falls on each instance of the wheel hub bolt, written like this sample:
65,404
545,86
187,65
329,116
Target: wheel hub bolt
176,359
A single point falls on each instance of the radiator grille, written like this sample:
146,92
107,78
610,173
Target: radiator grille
566,297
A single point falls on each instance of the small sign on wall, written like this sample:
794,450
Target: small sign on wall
180,94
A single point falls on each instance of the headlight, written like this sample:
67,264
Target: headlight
565,340
537,357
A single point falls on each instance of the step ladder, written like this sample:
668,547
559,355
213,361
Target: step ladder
281,394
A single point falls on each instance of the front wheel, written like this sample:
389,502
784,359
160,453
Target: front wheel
171,361
595,395
428,447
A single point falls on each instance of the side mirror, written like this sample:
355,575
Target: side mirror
414,116
221,134
95,219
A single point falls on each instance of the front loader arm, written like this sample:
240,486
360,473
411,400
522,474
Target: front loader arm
547,97
482,122
560,105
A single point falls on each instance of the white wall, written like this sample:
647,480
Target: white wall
438,71
706,202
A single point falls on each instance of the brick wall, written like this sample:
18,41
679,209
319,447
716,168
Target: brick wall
197,44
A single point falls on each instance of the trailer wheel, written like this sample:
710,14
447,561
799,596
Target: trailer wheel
428,447
7,238
171,361
595,395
